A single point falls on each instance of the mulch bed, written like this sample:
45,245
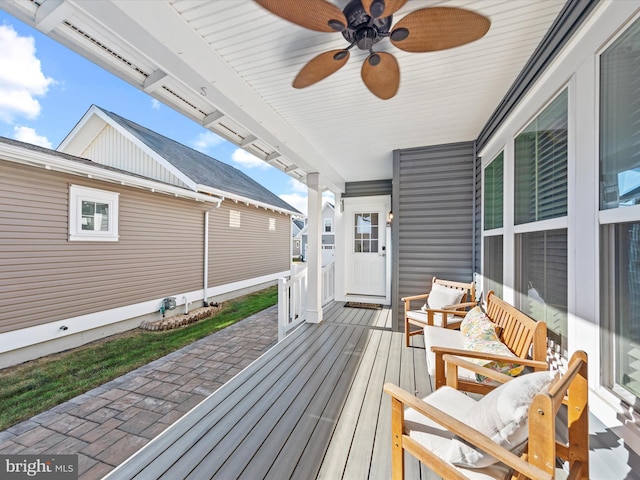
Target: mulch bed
177,321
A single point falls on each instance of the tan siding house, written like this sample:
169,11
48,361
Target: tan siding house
60,288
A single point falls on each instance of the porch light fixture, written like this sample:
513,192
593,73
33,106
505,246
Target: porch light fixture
389,217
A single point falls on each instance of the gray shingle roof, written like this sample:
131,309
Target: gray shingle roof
201,168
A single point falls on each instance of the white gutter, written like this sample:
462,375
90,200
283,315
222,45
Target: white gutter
205,282
247,200
53,161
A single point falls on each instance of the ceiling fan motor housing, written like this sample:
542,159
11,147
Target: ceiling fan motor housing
363,30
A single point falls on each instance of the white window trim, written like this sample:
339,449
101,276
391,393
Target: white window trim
78,194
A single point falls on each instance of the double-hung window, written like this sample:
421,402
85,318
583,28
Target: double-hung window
540,218
620,212
93,214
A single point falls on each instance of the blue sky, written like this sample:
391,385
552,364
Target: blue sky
46,88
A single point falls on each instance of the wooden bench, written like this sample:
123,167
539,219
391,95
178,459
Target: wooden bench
525,337
425,428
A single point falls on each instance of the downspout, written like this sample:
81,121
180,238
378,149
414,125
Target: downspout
205,280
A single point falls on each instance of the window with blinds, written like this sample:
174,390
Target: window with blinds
494,193
541,165
493,264
620,234
620,121
542,280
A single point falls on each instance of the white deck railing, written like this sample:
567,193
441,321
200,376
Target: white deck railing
292,298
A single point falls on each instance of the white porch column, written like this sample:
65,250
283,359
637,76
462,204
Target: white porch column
314,245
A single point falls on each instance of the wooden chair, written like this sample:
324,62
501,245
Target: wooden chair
448,316
541,449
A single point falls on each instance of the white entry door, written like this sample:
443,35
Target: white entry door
366,249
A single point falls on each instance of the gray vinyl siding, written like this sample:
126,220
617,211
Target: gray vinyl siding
367,188
250,250
433,205
112,148
477,221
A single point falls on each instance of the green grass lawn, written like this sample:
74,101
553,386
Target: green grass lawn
36,386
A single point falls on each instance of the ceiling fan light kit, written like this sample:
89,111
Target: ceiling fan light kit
364,23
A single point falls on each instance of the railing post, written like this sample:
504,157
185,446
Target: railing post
283,308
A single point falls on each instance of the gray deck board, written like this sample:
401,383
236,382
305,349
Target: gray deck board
311,407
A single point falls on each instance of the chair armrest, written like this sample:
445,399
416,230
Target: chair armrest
415,297
464,431
458,306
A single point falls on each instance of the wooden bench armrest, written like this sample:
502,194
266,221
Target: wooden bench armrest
440,369
462,430
452,363
440,351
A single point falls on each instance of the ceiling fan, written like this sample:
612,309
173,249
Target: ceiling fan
363,23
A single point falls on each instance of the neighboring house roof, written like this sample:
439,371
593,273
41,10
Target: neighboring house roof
202,171
298,225
34,155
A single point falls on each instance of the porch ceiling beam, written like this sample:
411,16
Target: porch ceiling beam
51,13
290,168
247,140
154,81
212,118
272,156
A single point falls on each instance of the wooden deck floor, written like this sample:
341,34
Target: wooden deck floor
313,407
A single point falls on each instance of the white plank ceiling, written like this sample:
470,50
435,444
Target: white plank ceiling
229,64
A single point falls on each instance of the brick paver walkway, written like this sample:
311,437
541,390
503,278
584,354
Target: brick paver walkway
106,425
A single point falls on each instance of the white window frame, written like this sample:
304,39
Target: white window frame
328,222
608,220
78,194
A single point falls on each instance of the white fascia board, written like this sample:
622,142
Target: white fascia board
83,133
239,198
49,161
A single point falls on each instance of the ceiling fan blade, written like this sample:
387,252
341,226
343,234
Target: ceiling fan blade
438,28
382,8
321,67
318,15
381,74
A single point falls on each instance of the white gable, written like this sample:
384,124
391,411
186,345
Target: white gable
112,148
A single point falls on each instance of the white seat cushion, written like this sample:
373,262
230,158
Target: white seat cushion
444,337
439,440
421,316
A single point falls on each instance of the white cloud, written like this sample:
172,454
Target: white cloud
329,197
299,202
155,104
21,77
247,160
299,198
29,135
205,141
297,186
